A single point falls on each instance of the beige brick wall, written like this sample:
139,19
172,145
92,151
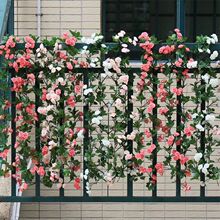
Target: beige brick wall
58,17
84,16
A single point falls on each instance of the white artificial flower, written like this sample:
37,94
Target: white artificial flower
205,167
106,142
214,82
208,51
215,37
197,157
200,127
86,172
103,46
208,40
200,50
97,112
108,177
125,50
206,78
80,134
192,64
124,45
97,120
52,144
121,33
210,118
194,115
87,91
214,55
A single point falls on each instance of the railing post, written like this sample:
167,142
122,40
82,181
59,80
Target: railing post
154,162
130,129
86,140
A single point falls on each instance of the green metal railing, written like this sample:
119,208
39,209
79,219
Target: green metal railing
38,197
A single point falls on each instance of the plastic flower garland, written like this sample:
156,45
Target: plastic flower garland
51,93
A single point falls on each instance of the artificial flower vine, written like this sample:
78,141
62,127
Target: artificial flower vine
76,100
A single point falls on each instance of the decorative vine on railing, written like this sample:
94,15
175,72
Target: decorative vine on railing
95,117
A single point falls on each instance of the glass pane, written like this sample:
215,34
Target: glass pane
202,17
136,16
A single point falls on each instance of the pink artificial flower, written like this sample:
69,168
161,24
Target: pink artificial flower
19,106
23,136
143,75
65,35
10,42
45,150
69,66
177,91
176,155
76,183
30,43
189,130
179,62
170,140
30,109
183,159
123,79
41,171
34,169
71,102
23,187
160,168
18,84
167,49
150,108
147,133
179,35
31,79
4,154
144,36
186,187
72,152
71,41
163,111
151,148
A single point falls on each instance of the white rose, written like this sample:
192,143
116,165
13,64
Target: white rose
210,118
214,82
214,36
199,127
192,64
106,142
197,157
206,78
214,55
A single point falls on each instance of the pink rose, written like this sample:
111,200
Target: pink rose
123,79
23,136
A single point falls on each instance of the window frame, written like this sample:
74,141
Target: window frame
180,16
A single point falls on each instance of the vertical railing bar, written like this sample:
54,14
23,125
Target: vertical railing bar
37,136
13,138
86,140
154,162
180,23
61,191
202,145
178,147
130,129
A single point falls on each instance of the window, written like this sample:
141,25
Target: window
159,17
202,17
